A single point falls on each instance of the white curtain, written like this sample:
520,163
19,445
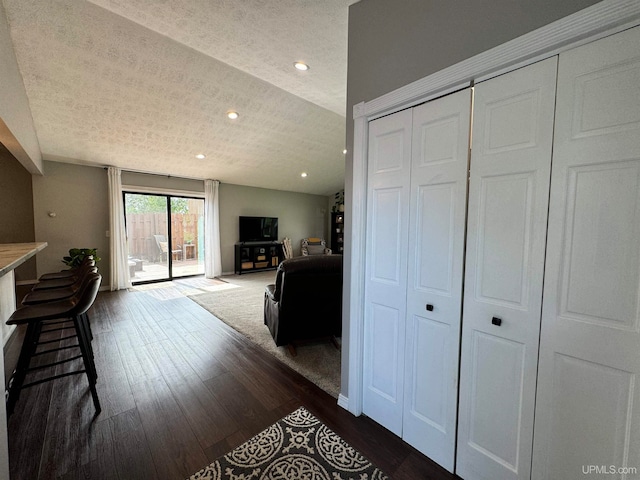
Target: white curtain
118,235
212,257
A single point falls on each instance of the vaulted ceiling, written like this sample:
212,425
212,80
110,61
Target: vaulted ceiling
146,84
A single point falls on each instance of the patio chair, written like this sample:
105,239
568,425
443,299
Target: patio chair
163,248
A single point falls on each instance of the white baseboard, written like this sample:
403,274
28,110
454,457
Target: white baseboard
343,402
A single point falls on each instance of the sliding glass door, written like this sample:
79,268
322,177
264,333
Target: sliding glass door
165,236
187,226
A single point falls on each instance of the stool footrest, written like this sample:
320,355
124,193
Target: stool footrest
38,382
49,330
59,362
56,322
44,342
44,352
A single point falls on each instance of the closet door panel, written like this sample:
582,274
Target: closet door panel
498,366
386,227
384,340
386,267
507,220
439,169
601,282
505,213
428,399
588,402
435,229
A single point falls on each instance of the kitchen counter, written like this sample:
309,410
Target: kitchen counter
13,255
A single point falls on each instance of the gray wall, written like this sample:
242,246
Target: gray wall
392,44
78,195
16,209
299,215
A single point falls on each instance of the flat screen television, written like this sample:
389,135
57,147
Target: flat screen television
258,229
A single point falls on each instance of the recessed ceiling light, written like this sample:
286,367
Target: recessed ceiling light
200,156
301,66
232,115
303,174
344,152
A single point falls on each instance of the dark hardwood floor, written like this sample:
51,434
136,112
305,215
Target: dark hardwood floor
178,389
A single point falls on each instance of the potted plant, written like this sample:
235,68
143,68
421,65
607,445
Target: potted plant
76,255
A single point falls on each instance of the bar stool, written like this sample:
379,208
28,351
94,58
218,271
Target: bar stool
36,297
59,293
64,282
55,314
69,272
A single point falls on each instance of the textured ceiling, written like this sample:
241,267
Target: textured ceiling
145,85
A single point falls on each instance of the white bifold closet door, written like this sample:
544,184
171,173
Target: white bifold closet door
418,167
386,268
439,171
507,223
588,403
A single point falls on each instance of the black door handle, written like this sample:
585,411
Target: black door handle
429,307
496,321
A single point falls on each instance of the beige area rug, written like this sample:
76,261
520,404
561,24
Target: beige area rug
240,304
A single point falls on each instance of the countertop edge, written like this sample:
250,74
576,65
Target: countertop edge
24,252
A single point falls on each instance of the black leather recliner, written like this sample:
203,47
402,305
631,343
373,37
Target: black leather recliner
306,301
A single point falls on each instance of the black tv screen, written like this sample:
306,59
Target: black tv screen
258,229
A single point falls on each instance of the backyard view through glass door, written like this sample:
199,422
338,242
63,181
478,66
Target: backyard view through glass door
165,236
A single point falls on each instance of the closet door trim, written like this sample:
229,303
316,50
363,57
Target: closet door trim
585,26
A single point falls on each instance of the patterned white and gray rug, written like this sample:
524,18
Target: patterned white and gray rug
297,447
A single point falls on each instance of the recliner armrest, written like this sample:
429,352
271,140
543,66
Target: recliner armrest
270,291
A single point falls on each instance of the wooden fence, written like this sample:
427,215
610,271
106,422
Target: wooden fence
141,228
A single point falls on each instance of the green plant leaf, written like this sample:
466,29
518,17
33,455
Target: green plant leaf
76,256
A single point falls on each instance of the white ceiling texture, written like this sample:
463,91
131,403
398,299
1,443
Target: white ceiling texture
145,85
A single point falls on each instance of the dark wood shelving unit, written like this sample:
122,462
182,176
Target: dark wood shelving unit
337,232
257,257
